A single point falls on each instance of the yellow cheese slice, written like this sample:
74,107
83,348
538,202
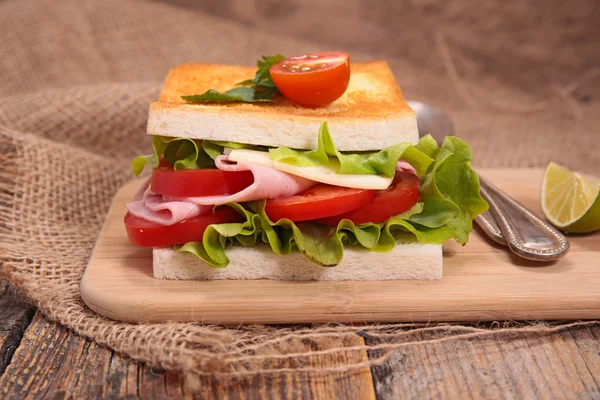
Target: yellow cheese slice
318,173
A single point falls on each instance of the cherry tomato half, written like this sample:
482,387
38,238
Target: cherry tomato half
149,234
318,202
313,80
199,182
402,194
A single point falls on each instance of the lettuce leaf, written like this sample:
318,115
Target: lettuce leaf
370,163
185,153
450,200
215,148
181,153
321,244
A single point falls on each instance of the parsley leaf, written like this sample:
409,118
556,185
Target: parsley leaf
263,76
239,94
259,89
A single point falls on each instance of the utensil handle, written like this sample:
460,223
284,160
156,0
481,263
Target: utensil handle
526,234
488,224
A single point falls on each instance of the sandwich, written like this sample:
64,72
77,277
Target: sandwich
306,168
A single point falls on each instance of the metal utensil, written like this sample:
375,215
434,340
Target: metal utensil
507,222
527,235
431,120
489,225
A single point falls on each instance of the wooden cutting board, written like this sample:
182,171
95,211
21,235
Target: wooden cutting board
482,281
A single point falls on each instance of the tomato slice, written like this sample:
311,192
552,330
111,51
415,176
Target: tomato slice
402,194
318,202
198,182
313,80
149,234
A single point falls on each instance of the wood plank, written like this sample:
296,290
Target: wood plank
481,282
15,315
563,364
338,385
54,363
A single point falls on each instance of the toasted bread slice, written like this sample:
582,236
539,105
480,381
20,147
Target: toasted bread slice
371,115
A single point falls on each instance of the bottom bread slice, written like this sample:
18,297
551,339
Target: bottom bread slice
406,261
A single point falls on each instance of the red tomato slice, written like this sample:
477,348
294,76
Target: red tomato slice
198,182
313,80
402,194
318,202
149,234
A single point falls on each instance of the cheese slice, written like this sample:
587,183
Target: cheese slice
321,174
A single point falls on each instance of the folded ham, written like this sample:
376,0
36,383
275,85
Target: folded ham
268,183
154,208
403,166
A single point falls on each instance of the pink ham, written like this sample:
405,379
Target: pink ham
403,166
268,183
153,207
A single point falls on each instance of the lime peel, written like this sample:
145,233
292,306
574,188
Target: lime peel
570,201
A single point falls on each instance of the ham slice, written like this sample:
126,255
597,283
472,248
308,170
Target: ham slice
268,184
403,166
153,207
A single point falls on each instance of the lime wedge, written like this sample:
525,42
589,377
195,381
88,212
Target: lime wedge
569,201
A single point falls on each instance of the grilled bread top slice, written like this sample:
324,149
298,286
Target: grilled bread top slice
371,115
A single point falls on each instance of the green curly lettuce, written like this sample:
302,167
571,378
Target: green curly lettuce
185,153
450,200
382,162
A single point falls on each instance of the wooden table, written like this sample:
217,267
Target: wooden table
41,359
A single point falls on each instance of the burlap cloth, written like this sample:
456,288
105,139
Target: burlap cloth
76,79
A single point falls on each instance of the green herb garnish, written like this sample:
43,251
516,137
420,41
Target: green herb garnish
259,89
